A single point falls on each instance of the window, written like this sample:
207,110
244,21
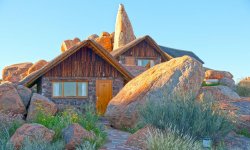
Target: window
70,89
145,62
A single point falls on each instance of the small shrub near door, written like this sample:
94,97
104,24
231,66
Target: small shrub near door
192,118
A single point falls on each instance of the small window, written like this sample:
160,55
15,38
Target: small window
70,89
57,89
145,62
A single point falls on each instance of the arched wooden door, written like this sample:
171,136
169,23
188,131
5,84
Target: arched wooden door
103,95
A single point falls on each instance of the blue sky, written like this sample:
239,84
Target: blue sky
218,31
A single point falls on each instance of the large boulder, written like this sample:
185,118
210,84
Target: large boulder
25,94
139,139
67,44
218,93
228,82
16,72
123,29
32,132
74,135
38,65
10,101
179,76
215,74
105,40
40,104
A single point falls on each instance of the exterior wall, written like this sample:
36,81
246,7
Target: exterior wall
118,84
141,50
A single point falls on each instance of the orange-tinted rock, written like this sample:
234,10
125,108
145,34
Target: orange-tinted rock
123,29
139,138
182,75
38,65
10,101
67,44
74,135
105,41
215,74
16,72
245,82
32,132
42,104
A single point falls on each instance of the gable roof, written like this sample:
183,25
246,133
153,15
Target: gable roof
117,52
30,79
179,53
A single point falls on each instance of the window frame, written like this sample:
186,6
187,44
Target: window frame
149,59
70,97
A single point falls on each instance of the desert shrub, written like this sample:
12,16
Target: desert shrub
87,146
88,120
196,119
171,139
243,90
244,132
212,84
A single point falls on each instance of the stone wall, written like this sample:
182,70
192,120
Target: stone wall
118,84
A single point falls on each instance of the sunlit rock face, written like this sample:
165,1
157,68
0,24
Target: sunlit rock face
16,72
67,44
182,75
123,29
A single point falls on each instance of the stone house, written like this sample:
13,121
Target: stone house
84,73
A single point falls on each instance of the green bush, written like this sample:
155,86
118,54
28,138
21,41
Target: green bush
243,90
88,120
192,118
212,84
172,139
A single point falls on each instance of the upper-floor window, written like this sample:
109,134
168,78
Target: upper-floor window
70,89
145,62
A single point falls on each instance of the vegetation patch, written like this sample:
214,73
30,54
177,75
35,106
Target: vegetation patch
243,90
211,84
192,118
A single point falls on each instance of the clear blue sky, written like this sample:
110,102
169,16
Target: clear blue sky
218,31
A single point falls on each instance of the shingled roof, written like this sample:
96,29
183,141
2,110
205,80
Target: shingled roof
179,53
117,52
30,79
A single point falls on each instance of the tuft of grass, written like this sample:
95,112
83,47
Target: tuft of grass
243,90
171,139
244,132
196,119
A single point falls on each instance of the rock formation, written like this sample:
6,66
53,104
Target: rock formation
32,132
218,93
42,104
16,72
25,94
123,29
10,101
105,40
74,135
67,44
38,65
183,75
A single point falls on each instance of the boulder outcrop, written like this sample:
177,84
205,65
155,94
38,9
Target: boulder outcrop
183,75
10,101
218,93
123,29
105,40
16,72
74,135
38,65
32,132
215,74
42,104
25,94
67,44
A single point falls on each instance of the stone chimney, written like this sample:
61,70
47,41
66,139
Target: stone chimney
123,29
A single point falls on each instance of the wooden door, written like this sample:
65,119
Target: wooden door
103,95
